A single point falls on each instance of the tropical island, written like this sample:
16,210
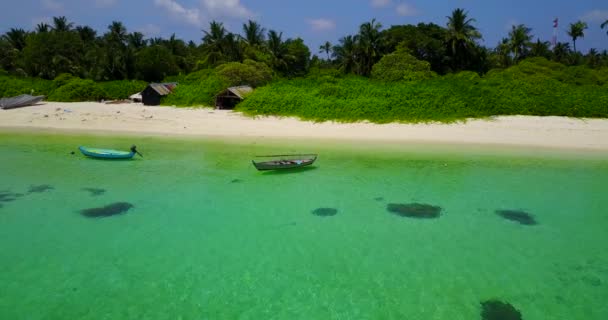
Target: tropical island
401,172
404,73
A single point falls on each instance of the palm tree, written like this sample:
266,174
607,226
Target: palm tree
461,36
86,33
136,40
561,52
254,33
503,50
577,30
519,41
593,58
42,27
278,49
214,42
275,43
216,34
369,41
16,37
346,54
118,32
605,24
326,47
61,24
540,49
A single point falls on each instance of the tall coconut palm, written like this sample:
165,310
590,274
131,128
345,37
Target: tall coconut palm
86,33
61,24
254,33
214,42
561,52
118,32
116,64
278,50
16,38
520,38
605,24
136,40
577,30
503,50
275,43
346,54
540,49
369,42
326,47
461,37
593,58
42,27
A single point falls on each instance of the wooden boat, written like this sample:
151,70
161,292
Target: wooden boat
109,153
23,100
285,161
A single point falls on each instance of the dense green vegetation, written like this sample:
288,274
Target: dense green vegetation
533,87
405,72
68,88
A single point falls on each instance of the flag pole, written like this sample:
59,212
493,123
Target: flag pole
554,39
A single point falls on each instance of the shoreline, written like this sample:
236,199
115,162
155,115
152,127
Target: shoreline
135,119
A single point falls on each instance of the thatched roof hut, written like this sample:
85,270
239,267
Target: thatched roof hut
154,91
229,98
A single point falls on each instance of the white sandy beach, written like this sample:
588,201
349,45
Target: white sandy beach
550,132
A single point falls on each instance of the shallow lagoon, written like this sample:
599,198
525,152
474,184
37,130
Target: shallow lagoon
209,237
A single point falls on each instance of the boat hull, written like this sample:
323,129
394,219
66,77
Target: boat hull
106,153
282,164
23,100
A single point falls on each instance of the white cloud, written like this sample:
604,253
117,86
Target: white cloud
228,8
406,10
381,3
322,24
105,3
52,5
150,30
177,11
595,16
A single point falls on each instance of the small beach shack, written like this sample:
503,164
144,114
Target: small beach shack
229,98
154,91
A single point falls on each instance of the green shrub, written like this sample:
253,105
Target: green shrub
250,73
122,89
401,66
77,90
453,97
63,79
196,93
12,86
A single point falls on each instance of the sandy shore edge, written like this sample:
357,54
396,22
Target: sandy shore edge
136,119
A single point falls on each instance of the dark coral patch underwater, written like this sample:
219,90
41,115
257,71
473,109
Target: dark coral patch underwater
518,216
40,188
94,191
6,196
414,210
498,310
325,212
113,209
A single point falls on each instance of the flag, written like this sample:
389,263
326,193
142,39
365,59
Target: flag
555,23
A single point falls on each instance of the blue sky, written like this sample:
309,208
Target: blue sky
316,21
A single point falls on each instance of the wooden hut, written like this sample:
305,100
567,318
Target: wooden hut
229,98
154,91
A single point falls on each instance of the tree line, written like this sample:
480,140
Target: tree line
61,47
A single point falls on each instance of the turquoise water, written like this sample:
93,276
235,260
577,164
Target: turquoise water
209,237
